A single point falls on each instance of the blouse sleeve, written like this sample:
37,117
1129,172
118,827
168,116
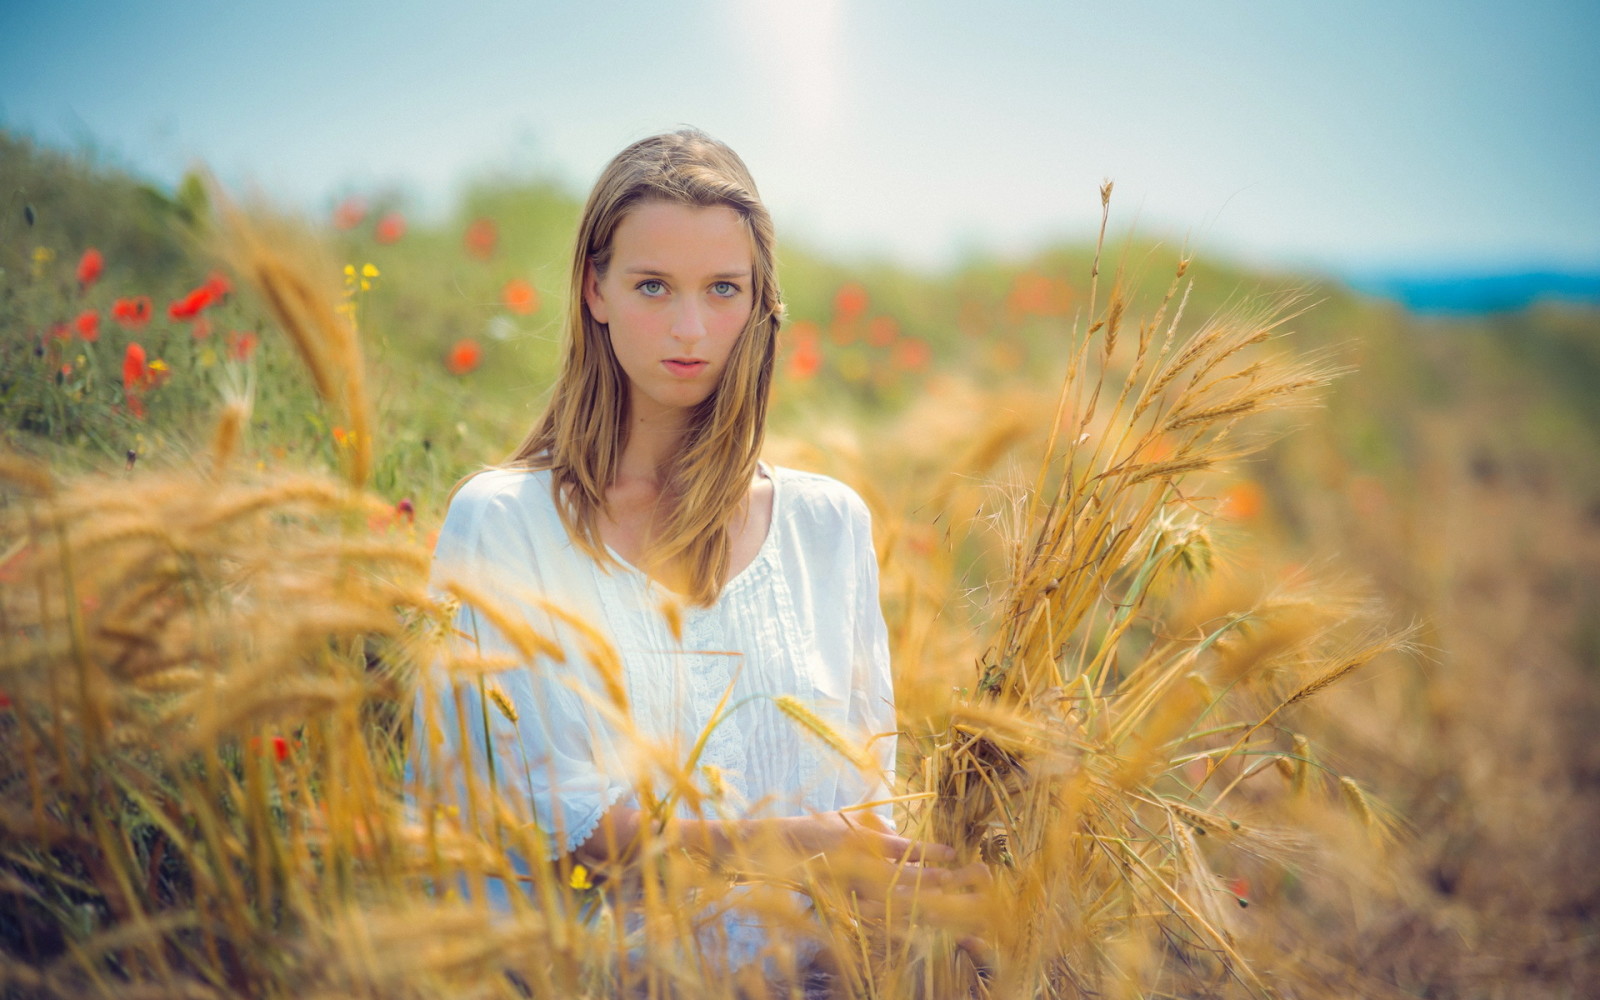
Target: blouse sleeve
536,732
872,688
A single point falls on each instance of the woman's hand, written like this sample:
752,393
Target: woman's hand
850,860
866,832
854,860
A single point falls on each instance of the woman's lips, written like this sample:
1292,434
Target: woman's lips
684,367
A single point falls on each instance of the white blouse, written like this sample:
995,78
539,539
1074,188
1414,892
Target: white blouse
802,619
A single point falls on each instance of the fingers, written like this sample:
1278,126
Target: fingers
975,877
879,878
868,820
897,896
874,830
907,907
900,849
972,878
871,874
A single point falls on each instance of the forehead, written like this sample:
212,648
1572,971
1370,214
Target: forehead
673,238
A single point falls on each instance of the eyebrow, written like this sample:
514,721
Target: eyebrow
650,272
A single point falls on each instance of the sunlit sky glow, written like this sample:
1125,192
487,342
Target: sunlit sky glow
1345,135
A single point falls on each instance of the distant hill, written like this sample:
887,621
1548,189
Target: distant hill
1477,293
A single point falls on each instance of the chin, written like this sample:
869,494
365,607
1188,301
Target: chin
679,401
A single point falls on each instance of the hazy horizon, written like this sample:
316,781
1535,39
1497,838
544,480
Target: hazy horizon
1347,139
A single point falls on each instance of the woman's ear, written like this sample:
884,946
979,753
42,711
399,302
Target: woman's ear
591,295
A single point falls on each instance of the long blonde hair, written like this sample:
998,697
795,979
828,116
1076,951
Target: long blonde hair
583,432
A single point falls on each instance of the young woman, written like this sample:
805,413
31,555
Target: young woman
638,506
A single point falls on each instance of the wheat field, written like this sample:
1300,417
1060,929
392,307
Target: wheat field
1199,755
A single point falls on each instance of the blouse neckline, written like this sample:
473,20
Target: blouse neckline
763,554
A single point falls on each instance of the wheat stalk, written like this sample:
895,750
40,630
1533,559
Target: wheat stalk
808,720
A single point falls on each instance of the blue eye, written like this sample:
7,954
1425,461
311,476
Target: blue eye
652,286
726,289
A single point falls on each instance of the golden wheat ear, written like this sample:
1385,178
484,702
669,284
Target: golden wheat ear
812,723
230,430
293,276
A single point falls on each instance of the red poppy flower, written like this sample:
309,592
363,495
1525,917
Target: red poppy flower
135,377
241,344
132,313
520,297
805,362
850,301
882,331
481,238
90,266
463,357
406,509
912,354
1243,501
218,285
275,745
88,325
135,373
1240,887
1035,294
390,228
61,331
193,304
349,213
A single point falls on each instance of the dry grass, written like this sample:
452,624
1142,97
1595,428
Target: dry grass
202,776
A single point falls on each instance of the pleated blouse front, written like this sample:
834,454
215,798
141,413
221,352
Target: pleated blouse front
801,620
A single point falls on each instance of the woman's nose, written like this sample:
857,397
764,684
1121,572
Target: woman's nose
689,321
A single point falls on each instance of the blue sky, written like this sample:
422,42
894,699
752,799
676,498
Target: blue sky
1344,135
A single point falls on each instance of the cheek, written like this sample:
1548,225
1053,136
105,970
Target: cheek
632,324
624,339
734,322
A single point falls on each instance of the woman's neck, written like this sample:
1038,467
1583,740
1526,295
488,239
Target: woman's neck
653,440
633,499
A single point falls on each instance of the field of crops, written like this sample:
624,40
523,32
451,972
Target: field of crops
1246,629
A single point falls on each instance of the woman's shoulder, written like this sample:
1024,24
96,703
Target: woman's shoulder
815,496
497,493
499,483
501,517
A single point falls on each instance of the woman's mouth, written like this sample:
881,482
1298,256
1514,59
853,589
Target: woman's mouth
684,367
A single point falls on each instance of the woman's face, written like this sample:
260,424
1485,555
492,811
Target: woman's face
675,298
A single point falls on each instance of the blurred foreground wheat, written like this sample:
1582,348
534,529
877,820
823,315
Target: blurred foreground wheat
206,675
